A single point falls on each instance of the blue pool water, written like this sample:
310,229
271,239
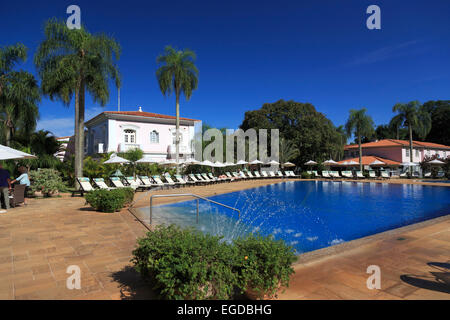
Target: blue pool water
311,215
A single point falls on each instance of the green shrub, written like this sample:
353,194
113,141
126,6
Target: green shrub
305,175
110,200
46,180
186,264
265,264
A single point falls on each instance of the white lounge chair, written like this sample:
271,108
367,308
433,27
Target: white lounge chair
372,174
264,174
182,181
159,182
326,174
134,184
440,174
257,175
359,175
206,178
146,181
385,175
100,183
194,179
116,182
272,174
85,186
280,174
232,178
170,180
316,174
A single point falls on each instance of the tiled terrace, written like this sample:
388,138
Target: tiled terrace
38,242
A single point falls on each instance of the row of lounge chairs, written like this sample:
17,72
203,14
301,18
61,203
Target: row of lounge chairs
349,175
142,183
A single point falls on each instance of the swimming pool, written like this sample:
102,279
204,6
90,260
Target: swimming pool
310,215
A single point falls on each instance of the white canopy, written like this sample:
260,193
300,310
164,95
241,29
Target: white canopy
310,163
229,164
436,161
116,159
207,163
241,162
273,162
256,162
148,160
192,161
377,162
409,164
218,164
329,162
7,153
288,164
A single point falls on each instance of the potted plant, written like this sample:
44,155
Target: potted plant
46,182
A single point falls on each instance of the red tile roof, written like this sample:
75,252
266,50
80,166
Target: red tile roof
367,160
397,143
146,114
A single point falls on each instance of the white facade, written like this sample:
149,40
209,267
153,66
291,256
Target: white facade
152,133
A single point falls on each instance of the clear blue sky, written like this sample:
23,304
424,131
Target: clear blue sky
252,52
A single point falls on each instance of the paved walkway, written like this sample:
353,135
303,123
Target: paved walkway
38,242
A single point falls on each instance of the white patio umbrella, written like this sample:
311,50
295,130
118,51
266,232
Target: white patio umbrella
148,160
273,163
288,164
241,162
116,159
219,164
7,153
310,163
436,161
168,163
256,162
352,163
377,163
330,163
207,163
192,162
409,164
229,164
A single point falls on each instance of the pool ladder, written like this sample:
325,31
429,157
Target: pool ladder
187,195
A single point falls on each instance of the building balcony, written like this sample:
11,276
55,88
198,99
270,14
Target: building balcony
124,147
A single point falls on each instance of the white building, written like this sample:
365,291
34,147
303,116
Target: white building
119,131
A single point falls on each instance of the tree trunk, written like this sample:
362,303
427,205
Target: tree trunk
360,153
79,129
410,147
177,139
8,136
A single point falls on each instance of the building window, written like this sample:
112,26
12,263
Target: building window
407,152
154,136
417,153
130,136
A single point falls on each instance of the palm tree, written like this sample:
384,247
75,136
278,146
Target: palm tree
19,94
416,118
288,150
71,62
360,124
177,73
44,142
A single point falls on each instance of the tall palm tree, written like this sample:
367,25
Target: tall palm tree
71,62
19,93
360,124
177,73
288,150
416,118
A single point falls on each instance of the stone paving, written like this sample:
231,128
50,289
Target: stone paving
39,241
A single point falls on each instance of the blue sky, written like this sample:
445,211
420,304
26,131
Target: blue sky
252,52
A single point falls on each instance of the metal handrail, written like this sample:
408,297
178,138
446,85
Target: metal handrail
188,195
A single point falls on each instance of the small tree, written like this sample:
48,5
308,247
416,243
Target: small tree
133,155
360,124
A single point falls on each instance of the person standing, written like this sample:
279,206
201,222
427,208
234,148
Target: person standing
5,186
23,179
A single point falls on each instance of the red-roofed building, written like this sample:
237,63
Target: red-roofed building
397,150
119,131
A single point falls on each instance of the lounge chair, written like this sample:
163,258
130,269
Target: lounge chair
100,183
334,174
146,181
170,180
182,181
316,174
326,174
117,182
286,174
293,175
237,175
85,186
160,183
347,174
359,175
384,175
440,174
427,175
272,174
250,175
264,174
232,178
257,175
194,179
404,175
132,183
280,174
207,179
372,175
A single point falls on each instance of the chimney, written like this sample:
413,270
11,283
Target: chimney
140,109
